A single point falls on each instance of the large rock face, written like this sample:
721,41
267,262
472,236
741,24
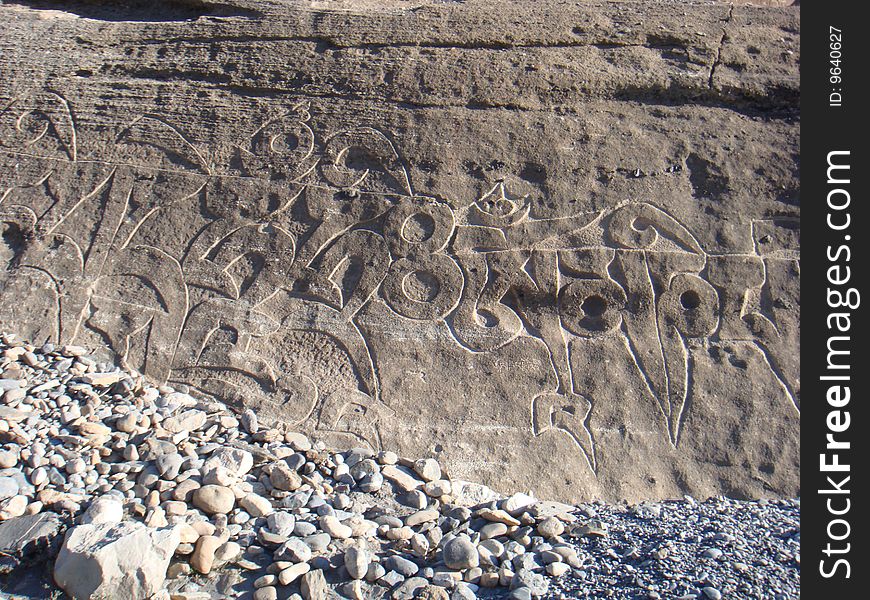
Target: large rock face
554,244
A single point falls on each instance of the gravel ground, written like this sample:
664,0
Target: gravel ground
759,544
686,549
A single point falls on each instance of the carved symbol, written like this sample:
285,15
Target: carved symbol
364,159
423,283
249,262
567,413
355,415
171,144
282,148
42,125
655,247
481,322
690,308
293,252
144,289
427,288
640,226
539,308
591,307
742,315
350,271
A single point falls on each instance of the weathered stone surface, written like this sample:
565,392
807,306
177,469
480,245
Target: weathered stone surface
235,460
214,499
460,553
313,586
357,560
28,534
114,560
104,510
256,506
570,232
203,556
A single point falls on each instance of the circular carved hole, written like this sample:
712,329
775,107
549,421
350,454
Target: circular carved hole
34,124
358,158
690,300
486,319
641,224
284,143
421,286
418,228
594,306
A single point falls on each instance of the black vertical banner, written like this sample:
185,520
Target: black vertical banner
835,250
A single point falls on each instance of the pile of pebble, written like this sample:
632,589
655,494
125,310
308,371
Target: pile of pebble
144,492
159,485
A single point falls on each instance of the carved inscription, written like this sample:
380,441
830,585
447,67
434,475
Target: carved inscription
261,305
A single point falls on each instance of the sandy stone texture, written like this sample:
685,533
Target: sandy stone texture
553,244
